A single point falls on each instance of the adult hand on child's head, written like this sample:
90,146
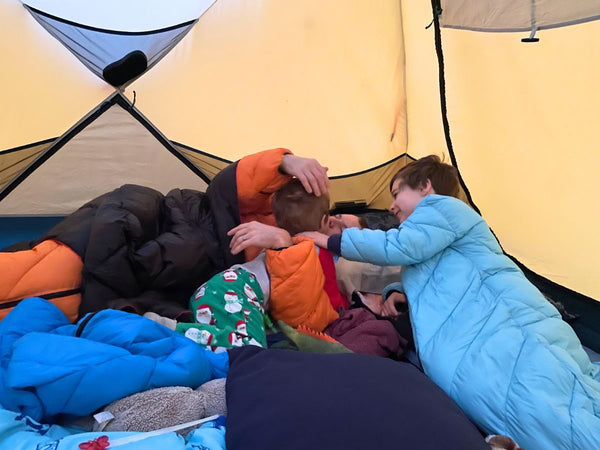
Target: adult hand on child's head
319,238
311,174
256,234
394,304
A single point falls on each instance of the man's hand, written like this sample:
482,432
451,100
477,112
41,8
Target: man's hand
311,174
394,304
256,234
319,238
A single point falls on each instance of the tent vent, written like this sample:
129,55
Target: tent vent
118,55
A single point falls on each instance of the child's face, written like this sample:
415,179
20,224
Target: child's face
338,223
406,199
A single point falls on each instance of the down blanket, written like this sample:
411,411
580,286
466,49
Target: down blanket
483,332
49,366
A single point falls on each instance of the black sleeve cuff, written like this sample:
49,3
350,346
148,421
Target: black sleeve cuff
279,169
334,244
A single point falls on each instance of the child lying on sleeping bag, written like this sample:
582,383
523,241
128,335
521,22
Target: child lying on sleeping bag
299,288
483,332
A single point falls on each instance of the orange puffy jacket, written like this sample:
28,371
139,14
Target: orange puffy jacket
297,282
297,279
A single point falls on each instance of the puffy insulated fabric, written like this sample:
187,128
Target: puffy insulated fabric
485,334
49,366
282,399
257,179
19,432
297,286
50,270
143,251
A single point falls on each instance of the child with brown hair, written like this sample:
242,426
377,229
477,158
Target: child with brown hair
483,332
297,288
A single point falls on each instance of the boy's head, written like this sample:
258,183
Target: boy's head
443,177
428,175
296,210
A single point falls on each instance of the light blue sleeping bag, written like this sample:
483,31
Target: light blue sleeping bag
483,332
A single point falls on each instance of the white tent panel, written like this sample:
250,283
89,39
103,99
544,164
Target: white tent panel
130,15
321,78
113,150
516,15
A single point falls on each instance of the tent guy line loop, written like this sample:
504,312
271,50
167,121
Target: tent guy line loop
437,12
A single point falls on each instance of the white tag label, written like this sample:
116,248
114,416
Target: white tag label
103,416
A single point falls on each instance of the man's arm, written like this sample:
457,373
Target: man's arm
260,175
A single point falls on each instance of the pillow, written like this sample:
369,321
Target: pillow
294,400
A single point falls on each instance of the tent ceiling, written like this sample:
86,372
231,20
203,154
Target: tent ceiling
303,75
516,15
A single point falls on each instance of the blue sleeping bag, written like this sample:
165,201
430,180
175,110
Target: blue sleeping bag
49,366
483,332
18,432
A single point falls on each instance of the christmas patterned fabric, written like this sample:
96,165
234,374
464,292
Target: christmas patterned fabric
229,312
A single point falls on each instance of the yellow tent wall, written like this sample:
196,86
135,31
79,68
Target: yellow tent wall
44,89
324,78
355,84
523,120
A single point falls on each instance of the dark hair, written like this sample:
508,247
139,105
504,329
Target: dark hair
296,210
443,177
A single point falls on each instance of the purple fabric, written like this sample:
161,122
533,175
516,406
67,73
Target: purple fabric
359,330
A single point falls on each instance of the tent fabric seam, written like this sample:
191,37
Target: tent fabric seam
27,146
187,147
102,30
56,146
523,29
337,177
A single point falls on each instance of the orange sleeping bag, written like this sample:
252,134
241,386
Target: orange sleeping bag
50,270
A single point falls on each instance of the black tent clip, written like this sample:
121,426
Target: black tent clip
531,37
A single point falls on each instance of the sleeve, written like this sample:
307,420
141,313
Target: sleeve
424,234
334,244
258,177
297,286
393,287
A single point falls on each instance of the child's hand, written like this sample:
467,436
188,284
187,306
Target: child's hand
319,238
395,304
256,234
311,174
